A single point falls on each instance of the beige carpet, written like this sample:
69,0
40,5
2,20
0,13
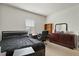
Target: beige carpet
57,50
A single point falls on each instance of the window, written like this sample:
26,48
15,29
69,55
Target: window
30,25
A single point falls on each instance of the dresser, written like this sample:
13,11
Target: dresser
66,40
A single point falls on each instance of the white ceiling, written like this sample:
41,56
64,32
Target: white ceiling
44,8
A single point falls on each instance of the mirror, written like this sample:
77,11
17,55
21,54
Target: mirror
61,27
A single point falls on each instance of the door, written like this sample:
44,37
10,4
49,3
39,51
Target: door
48,27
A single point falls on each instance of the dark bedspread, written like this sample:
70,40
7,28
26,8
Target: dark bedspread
20,42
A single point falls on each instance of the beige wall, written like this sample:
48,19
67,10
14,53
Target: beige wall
14,19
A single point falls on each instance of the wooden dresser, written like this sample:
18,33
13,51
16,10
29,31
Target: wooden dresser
67,40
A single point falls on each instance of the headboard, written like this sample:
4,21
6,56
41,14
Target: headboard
7,34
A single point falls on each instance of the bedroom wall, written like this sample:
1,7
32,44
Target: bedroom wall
69,16
12,18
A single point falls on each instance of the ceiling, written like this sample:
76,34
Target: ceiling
44,8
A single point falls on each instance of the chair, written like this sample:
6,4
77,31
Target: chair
43,36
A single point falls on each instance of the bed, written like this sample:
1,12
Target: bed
12,40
